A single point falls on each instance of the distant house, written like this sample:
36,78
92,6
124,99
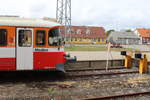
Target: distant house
85,35
123,37
144,35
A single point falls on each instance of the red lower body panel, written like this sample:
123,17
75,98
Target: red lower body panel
7,63
48,60
42,60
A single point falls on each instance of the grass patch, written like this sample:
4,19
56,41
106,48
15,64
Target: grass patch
93,48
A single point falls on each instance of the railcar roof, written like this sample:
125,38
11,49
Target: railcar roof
31,22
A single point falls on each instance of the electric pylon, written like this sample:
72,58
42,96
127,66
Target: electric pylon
63,16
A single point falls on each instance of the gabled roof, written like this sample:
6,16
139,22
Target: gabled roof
118,36
144,32
86,31
123,34
31,22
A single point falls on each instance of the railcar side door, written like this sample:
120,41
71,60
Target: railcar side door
24,48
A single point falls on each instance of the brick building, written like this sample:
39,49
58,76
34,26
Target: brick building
85,35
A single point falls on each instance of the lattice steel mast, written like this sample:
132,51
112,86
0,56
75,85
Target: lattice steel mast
63,16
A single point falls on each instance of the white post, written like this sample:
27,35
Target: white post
108,52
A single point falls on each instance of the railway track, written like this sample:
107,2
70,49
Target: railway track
52,76
114,97
92,72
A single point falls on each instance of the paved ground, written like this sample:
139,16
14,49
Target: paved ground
99,55
102,55
86,55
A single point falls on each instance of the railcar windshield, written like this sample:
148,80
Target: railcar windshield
54,38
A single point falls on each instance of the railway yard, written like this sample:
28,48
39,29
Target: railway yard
84,82
84,50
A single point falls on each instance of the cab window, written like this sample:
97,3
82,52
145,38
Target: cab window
54,37
40,38
3,37
25,38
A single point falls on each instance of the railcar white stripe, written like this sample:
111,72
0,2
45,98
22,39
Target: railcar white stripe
10,52
7,52
48,49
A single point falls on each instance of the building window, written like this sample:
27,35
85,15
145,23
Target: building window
40,38
80,39
25,38
76,39
71,39
3,37
67,39
98,39
144,40
102,40
95,39
147,40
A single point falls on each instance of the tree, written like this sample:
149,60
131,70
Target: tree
128,30
109,32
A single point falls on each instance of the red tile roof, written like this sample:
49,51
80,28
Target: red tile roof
86,31
144,32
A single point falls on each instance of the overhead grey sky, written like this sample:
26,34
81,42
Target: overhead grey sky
111,14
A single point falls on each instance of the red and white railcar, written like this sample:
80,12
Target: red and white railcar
30,44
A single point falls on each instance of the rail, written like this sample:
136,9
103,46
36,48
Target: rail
101,74
118,96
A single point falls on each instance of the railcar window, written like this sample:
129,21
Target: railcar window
40,38
54,37
25,38
3,37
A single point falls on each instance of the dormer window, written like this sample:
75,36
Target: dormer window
78,31
68,31
88,31
72,31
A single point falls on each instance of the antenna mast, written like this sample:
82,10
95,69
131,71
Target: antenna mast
63,16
